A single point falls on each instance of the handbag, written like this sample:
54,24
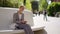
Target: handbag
12,26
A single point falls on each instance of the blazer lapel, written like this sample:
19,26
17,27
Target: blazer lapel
22,17
17,16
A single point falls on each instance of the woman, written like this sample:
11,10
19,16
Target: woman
18,18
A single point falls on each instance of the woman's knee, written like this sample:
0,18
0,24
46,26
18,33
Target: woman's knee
28,25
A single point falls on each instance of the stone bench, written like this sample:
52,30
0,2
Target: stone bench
6,19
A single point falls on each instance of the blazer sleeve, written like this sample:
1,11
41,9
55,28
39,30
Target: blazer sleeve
15,18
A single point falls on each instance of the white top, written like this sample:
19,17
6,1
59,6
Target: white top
20,16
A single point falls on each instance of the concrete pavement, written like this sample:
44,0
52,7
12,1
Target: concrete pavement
52,26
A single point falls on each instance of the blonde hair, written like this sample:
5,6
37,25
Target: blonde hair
21,6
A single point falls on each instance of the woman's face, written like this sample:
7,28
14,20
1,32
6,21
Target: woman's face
21,9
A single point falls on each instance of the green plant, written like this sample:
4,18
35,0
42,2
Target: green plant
28,4
10,3
53,8
43,5
1,3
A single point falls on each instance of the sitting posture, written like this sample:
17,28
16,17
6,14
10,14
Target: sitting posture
18,18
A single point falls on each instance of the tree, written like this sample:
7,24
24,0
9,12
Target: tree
24,2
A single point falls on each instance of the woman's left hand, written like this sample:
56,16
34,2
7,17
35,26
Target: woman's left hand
24,22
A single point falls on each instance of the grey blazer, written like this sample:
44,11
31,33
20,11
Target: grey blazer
16,18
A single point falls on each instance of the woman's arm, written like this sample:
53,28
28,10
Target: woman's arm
15,18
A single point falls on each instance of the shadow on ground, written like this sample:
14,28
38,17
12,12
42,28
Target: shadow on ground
40,32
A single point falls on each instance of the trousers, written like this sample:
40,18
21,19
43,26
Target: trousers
26,28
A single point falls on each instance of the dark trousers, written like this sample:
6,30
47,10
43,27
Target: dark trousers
26,28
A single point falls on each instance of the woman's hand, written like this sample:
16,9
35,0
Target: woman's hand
23,22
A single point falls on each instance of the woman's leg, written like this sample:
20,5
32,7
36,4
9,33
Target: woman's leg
29,29
26,28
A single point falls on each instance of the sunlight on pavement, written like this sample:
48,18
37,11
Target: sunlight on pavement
52,26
